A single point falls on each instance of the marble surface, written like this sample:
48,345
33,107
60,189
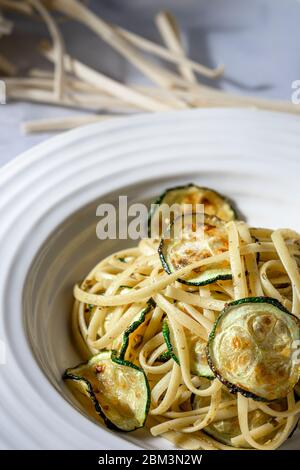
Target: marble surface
258,42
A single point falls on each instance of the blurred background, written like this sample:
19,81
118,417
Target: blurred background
257,41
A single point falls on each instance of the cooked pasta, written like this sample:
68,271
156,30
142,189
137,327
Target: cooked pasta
172,325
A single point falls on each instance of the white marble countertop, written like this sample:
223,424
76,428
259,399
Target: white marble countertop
258,42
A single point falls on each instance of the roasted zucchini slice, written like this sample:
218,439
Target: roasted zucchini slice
113,389
198,360
251,346
133,335
214,204
194,243
197,351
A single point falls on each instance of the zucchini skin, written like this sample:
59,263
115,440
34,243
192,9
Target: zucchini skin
164,357
160,198
107,422
150,305
294,429
162,258
114,357
234,389
166,335
219,277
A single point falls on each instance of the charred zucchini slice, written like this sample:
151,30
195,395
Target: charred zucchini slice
113,389
133,335
251,346
194,243
197,351
214,204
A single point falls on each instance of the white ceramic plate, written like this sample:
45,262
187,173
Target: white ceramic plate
48,202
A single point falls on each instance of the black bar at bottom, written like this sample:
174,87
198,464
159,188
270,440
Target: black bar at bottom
147,458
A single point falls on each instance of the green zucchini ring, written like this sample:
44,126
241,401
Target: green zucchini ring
192,246
214,203
250,348
113,389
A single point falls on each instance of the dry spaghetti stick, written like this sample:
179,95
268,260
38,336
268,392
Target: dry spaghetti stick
28,82
72,82
46,76
164,95
58,44
79,85
94,103
160,51
200,96
79,12
44,81
123,44
208,96
169,31
61,123
109,85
